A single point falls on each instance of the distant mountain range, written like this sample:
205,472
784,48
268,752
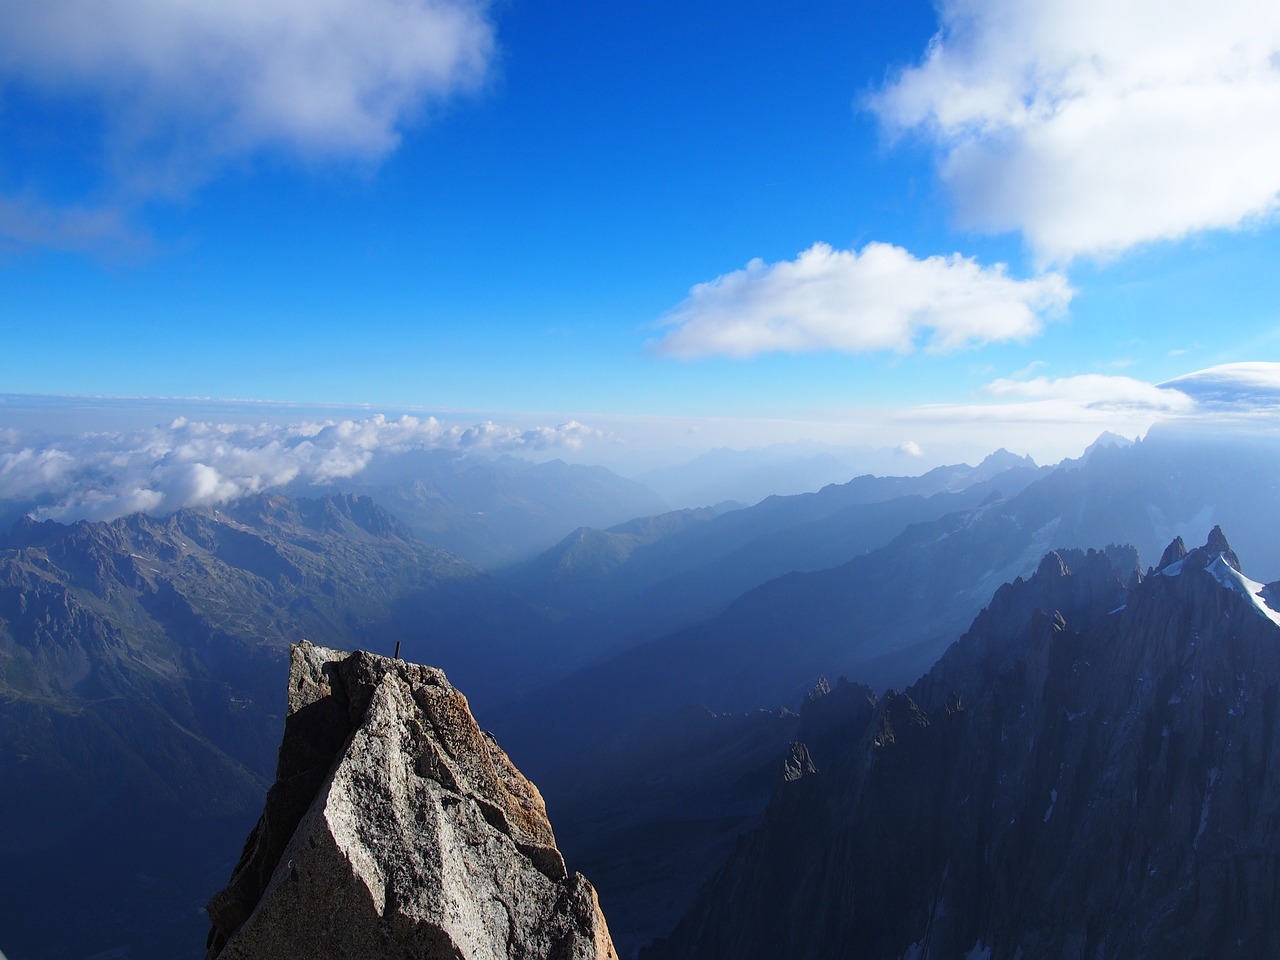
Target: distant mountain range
644,672
140,689
617,587
914,572
1089,772
495,511
747,476
884,616
780,469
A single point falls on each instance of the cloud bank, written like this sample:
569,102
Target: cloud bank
186,86
1055,417
1094,391
1097,400
881,298
102,476
1094,125
1251,386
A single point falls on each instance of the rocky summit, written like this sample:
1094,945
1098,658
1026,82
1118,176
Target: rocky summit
1092,771
397,828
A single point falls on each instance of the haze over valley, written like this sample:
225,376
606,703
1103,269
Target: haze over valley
687,480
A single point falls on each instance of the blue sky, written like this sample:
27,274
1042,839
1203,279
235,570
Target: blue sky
676,223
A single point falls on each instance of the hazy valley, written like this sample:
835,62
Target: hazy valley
650,677
516,481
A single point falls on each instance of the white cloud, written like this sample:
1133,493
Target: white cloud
1094,391
568,436
1259,374
1094,125
185,463
187,85
909,448
27,470
1039,413
25,222
882,298
1026,371
1048,418
1251,389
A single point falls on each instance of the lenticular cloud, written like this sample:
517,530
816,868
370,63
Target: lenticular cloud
1094,391
1091,126
188,463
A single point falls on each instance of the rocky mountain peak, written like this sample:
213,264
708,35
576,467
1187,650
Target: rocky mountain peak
820,689
1217,544
29,532
1174,552
1001,460
1106,440
1107,789
797,763
1076,587
396,827
1176,556
1052,565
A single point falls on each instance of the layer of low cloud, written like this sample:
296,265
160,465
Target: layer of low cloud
1097,401
881,298
1059,405
1094,391
186,86
101,476
1055,417
1253,386
1095,126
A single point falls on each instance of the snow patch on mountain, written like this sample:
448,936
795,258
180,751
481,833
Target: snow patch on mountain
1233,580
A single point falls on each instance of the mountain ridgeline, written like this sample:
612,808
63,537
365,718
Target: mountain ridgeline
647,675
495,511
140,691
1091,771
903,590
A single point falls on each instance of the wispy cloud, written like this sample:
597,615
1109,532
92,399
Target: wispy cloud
881,298
100,476
1026,371
1094,126
184,87
27,222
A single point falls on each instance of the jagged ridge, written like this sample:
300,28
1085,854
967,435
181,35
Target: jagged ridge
1092,771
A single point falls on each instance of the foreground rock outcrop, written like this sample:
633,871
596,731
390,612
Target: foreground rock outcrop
397,828
1093,771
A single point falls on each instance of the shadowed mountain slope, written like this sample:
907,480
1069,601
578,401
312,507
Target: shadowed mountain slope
615,588
140,688
1090,771
882,618
497,511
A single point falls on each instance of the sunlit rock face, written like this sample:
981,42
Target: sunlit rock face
397,828
1091,771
